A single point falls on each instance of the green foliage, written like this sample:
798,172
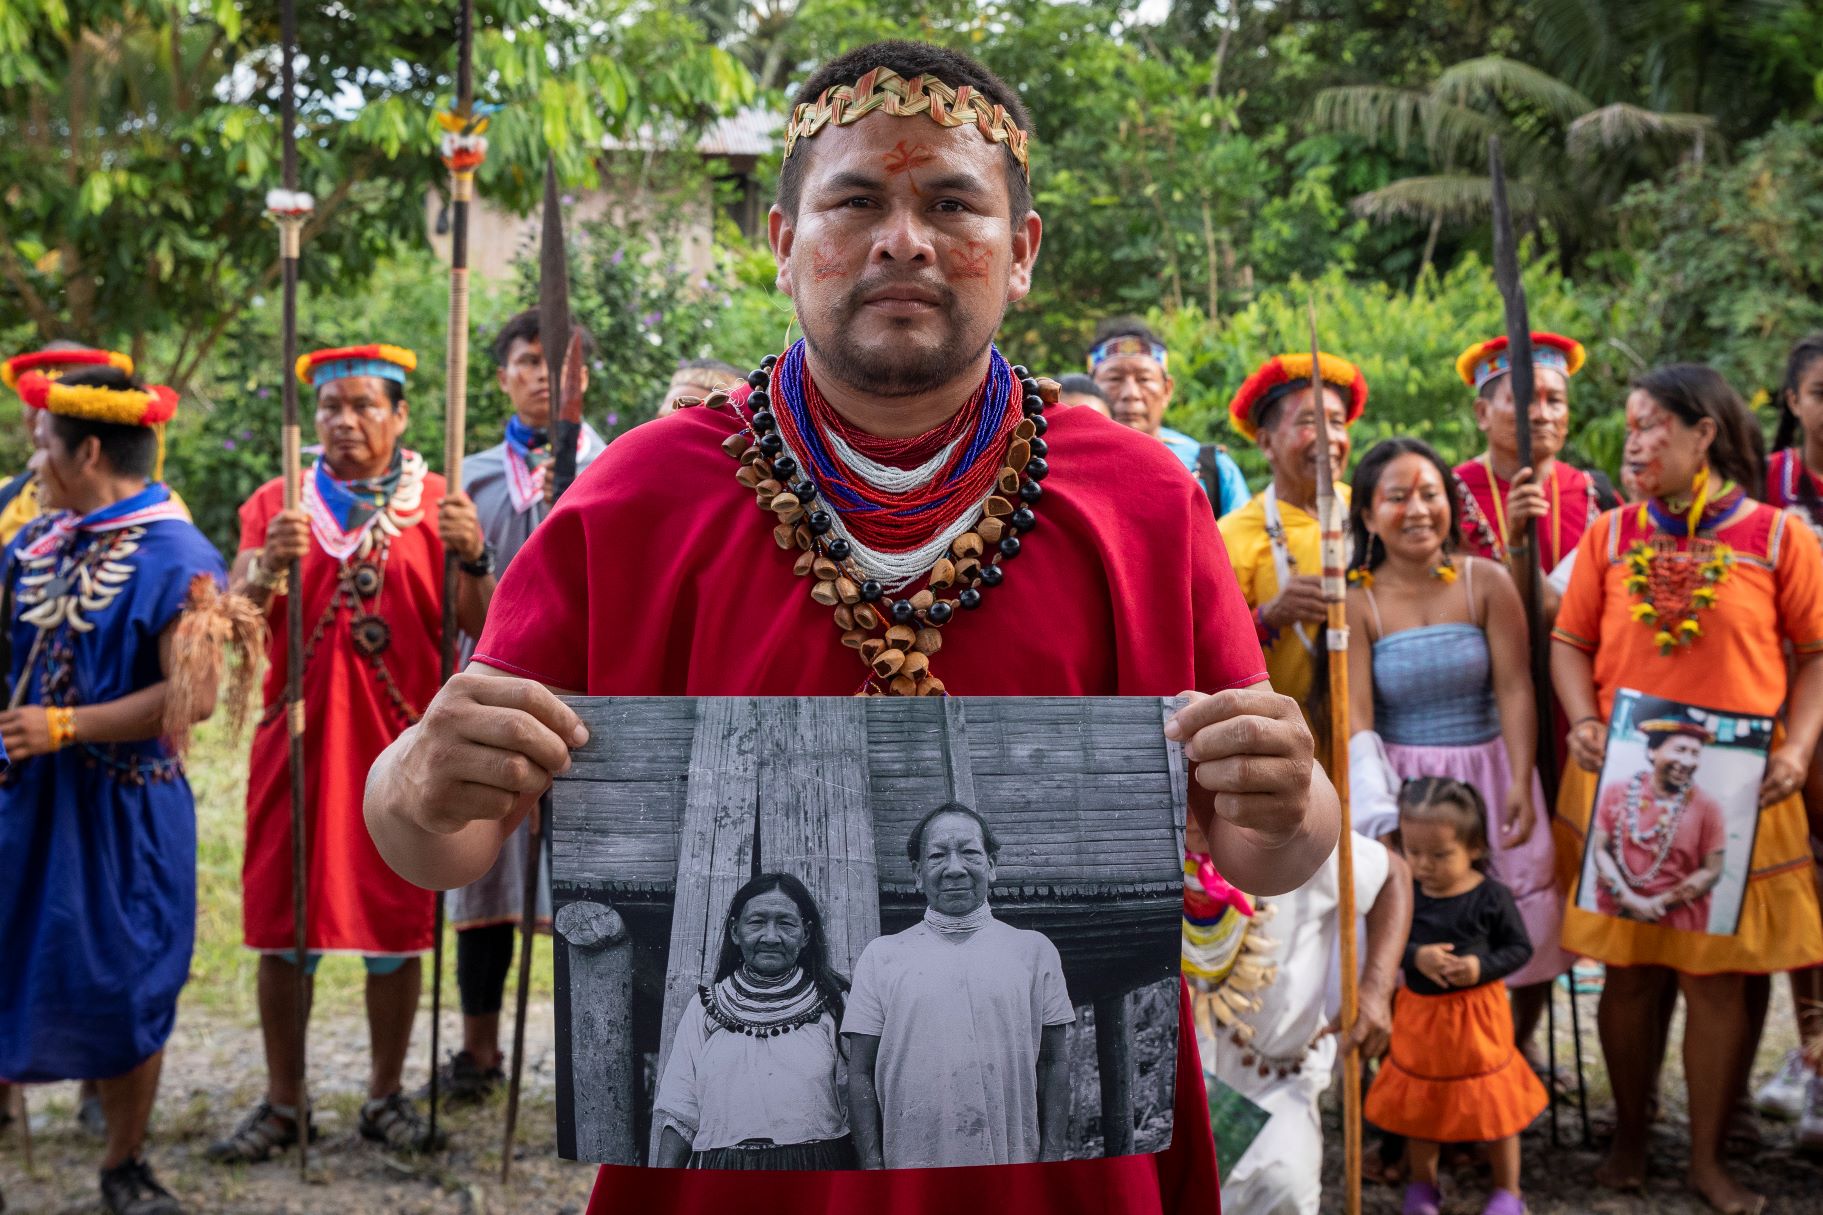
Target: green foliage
137,141
1728,267
1405,343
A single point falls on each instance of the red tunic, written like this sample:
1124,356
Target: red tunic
1701,829
657,575
1573,506
354,901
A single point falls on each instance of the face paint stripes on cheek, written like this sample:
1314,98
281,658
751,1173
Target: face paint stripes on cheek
970,261
825,263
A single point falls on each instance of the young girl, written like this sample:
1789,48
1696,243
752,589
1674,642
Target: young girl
1447,692
1453,1074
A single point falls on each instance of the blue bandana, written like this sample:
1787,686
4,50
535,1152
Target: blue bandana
528,443
353,503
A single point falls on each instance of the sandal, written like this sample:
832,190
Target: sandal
130,1189
262,1133
395,1122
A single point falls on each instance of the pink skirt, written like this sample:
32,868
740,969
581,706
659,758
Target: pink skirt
1529,870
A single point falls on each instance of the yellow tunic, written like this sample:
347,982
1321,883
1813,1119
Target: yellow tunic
1288,664
19,512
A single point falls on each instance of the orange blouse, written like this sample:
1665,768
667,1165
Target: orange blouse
1771,596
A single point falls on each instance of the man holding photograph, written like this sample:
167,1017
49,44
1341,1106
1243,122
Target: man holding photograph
1659,842
956,1027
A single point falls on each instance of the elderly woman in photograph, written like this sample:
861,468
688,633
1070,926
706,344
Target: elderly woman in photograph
751,1082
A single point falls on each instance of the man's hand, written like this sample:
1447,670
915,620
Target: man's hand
460,527
1251,750
1430,961
486,749
1589,744
26,732
287,539
1301,602
1521,813
1373,1028
1525,502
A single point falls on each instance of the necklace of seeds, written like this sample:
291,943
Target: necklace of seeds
894,638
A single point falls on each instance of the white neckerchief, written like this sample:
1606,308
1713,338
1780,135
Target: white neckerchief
1283,564
957,925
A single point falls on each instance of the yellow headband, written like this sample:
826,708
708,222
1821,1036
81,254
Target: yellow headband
885,90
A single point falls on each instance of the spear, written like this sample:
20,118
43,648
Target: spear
463,149
1519,543
563,369
1335,596
289,209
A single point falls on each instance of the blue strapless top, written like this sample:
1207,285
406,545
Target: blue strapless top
1434,687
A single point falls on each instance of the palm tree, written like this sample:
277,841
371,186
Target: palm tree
1568,157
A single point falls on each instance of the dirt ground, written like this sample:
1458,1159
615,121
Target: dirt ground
211,1079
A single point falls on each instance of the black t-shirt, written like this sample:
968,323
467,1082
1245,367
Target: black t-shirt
1483,922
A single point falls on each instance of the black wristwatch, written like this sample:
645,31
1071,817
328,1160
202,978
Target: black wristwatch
482,566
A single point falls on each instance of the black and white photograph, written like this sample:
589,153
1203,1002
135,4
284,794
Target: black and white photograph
1671,840
835,933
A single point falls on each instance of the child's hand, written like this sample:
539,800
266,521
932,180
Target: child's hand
1462,971
1432,960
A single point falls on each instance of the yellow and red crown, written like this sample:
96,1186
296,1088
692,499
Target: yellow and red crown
387,362
1287,372
152,405
54,363
1485,360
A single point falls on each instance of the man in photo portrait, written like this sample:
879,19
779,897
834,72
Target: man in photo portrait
957,1026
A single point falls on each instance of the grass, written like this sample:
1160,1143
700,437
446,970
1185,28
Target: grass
223,970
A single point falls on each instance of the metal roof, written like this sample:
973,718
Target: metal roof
747,132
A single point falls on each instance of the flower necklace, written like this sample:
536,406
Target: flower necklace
866,548
1670,586
1657,838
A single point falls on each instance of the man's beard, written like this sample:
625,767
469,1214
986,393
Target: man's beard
893,371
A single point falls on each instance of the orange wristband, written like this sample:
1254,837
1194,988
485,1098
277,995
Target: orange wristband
61,722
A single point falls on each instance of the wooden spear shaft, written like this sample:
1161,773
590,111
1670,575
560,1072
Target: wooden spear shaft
290,242
455,435
1335,601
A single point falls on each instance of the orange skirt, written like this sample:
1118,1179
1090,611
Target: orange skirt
1454,1074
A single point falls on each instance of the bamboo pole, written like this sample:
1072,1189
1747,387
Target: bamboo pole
1335,596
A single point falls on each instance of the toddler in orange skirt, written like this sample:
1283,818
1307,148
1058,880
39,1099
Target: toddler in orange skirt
1454,1074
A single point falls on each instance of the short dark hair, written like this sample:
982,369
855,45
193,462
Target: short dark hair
131,451
1122,326
914,843
910,59
523,327
1692,392
1455,804
1081,385
721,365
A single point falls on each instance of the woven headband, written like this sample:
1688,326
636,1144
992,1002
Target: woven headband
885,90
1499,364
1128,343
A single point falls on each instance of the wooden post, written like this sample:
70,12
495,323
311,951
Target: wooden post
1114,1058
601,993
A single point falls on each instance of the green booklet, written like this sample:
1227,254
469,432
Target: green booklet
1237,1121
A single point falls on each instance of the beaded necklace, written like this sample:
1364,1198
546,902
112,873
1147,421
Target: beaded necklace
1656,838
864,549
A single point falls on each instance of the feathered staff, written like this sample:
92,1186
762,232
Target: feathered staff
1335,596
289,209
464,147
1527,558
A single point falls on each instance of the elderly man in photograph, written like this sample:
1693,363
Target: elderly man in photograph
956,1026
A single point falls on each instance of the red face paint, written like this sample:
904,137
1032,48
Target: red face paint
970,261
903,159
825,263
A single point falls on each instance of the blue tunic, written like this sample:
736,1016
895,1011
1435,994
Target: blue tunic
98,842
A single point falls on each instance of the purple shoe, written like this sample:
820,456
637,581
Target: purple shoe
1423,1198
1504,1202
